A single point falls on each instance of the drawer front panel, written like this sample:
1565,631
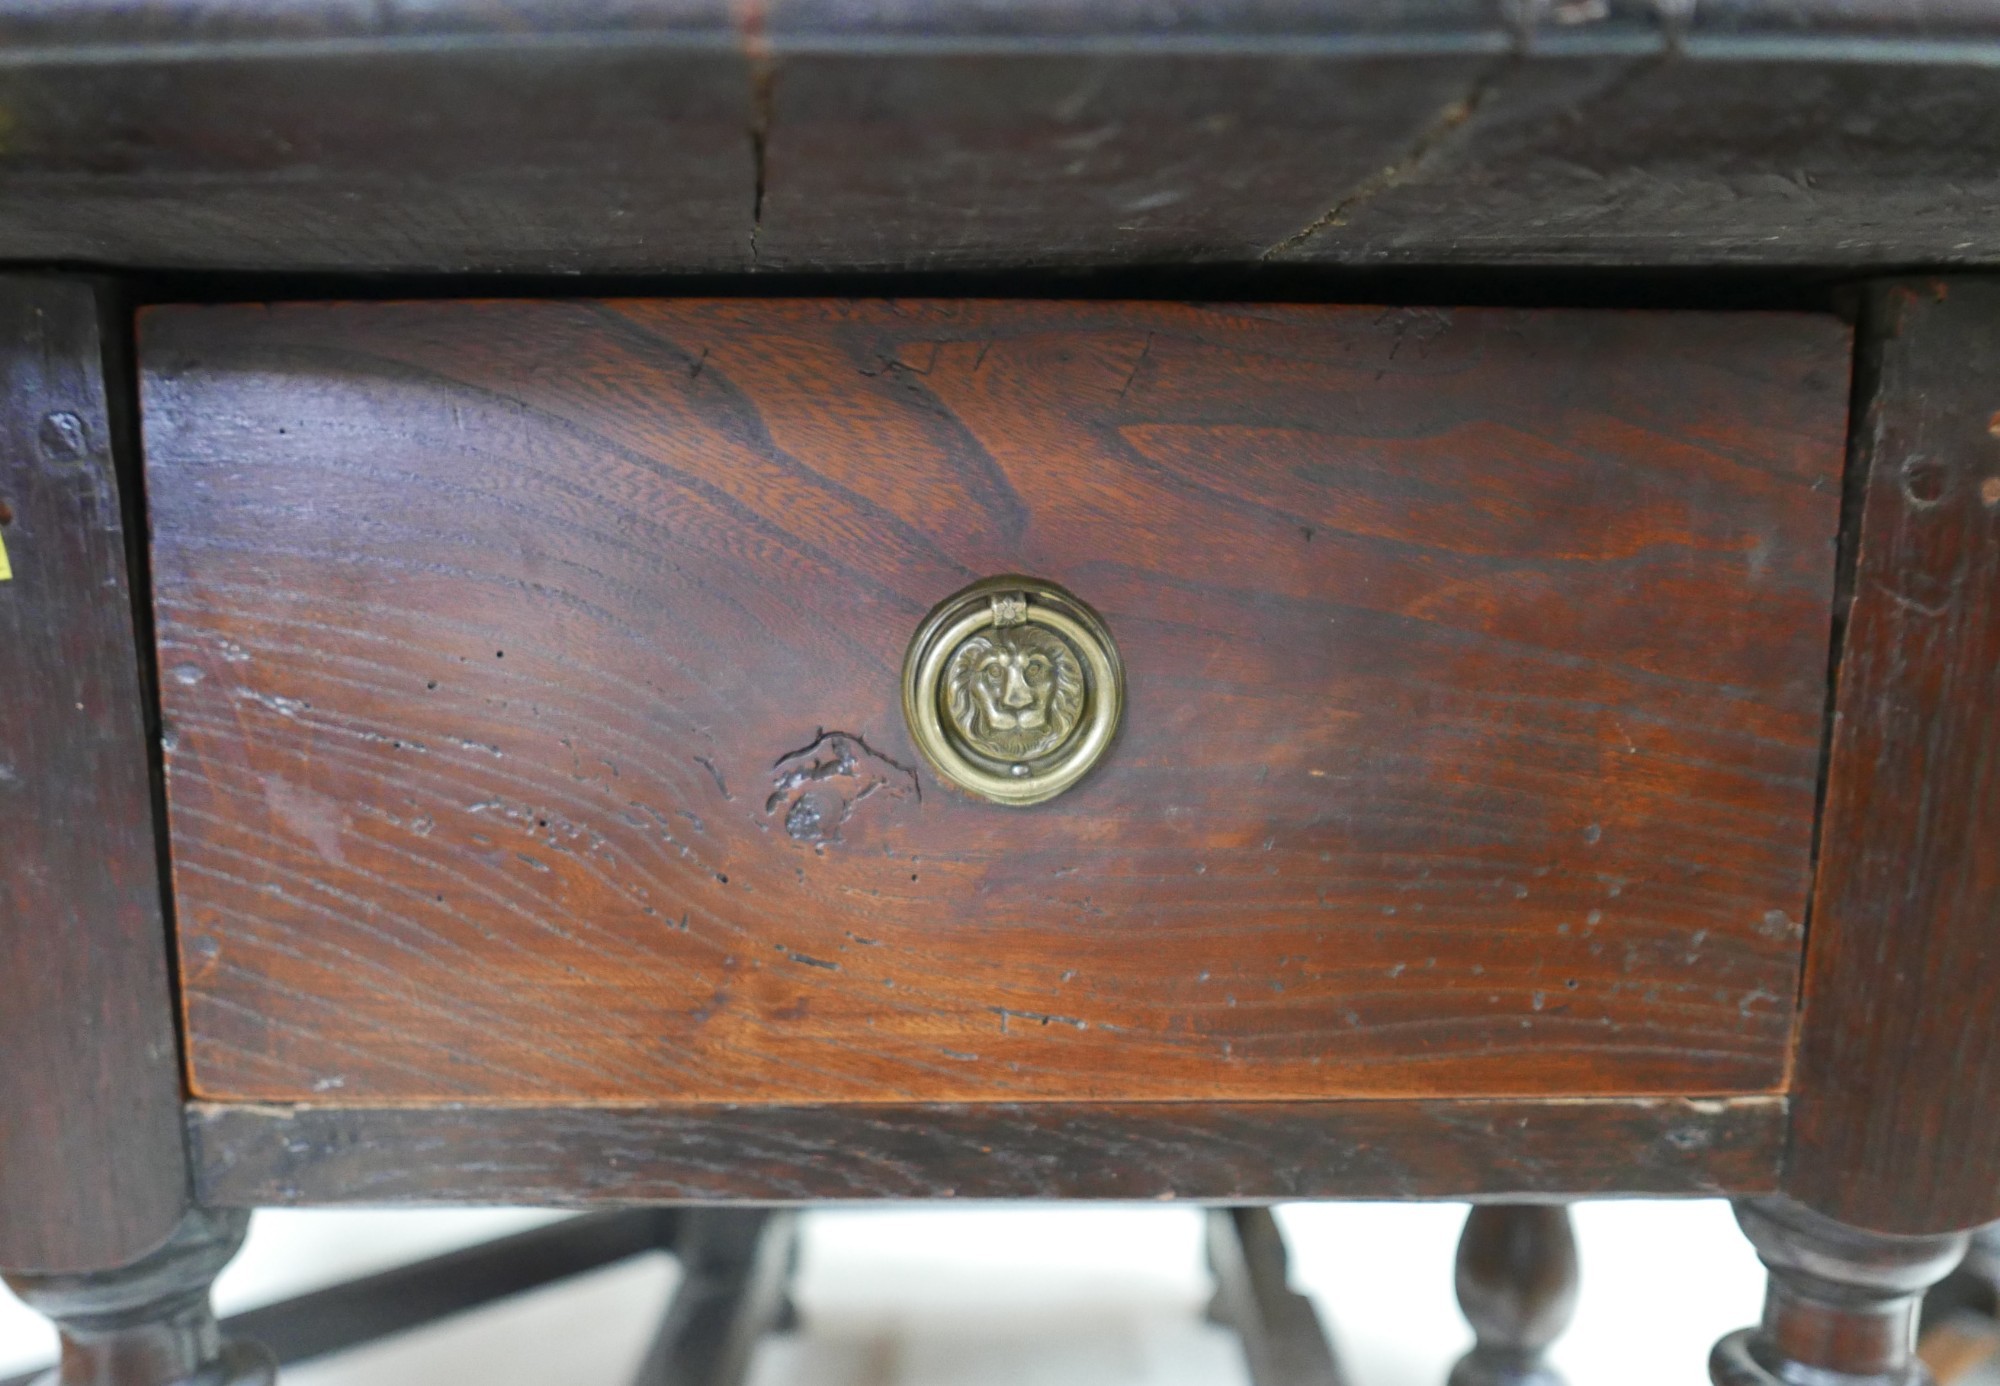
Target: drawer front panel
531,696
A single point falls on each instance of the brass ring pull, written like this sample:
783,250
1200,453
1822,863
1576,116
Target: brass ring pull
1012,689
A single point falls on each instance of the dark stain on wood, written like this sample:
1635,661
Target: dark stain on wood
255,1156
699,135
1500,782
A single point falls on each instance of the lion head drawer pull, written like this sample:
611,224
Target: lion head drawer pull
1012,689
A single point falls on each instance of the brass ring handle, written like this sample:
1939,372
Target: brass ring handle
1013,690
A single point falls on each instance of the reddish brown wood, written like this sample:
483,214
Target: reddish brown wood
1898,1123
1476,666
259,1155
92,1169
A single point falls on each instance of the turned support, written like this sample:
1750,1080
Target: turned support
150,1323
1841,1307
1517,1280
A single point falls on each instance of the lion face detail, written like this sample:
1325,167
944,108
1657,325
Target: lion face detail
1016,693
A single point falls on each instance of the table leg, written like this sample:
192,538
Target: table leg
150,1323
1841,1305
1517,1282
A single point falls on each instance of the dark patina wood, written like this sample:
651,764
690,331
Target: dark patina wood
653,135
531,674
1842,1303
149,1323
1215,1152
1898,1119
719,1250
92,1171
1373,133
1517,1282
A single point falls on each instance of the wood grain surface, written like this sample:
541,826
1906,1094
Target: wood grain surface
720,136
1898,1121
266,1156
92,1169
1476,668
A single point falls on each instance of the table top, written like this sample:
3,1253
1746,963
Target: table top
806,136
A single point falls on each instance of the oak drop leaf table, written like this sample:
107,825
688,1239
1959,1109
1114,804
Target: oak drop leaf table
685,613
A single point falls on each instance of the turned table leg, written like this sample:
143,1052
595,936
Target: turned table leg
150,1323
1842,1303
1517,1280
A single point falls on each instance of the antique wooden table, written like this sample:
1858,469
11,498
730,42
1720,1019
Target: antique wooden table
686,609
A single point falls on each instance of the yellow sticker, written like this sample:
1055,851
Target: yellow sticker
6,569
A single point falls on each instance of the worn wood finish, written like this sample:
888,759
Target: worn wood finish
1374,134
1898,1124
351,1313
255,1156
149,1323
1619,159
706,135
92,1171
531,676
984,159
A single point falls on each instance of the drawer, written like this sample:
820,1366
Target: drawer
532,697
